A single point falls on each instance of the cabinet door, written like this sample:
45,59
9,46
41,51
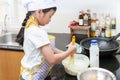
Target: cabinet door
10,64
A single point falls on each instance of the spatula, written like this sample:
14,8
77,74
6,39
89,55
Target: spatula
71,61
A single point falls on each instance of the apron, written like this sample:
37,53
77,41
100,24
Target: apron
39,73
42,73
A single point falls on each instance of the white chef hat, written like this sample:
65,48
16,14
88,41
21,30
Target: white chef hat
32,5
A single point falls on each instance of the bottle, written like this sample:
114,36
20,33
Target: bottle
93,24
85,19
113,27
107,20
108,32
103,31
94,54
89,17
98,29
80,19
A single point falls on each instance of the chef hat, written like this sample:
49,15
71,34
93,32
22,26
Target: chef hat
32,5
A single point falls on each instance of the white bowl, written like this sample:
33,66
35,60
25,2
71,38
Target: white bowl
81,63
96,74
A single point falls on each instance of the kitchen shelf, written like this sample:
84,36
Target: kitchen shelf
80,30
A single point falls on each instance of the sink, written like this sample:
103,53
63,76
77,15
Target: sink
7,41
8,38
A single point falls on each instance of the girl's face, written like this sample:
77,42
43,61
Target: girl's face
44,18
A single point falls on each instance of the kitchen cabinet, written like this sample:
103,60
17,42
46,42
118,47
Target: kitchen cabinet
10,64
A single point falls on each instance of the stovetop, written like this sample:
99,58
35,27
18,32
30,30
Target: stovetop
111,63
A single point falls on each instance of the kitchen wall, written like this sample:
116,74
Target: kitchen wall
2,12
70,10
8,15
67,11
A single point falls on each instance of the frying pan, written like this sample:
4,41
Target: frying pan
107,46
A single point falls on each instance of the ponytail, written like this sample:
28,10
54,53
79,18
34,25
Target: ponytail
20,35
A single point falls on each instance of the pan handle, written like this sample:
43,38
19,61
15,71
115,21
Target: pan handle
115,37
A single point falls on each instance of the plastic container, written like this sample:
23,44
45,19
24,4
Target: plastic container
52,41
81,63
94,54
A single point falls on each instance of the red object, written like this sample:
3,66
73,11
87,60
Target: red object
73,24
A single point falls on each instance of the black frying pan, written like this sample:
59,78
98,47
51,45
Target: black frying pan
107,46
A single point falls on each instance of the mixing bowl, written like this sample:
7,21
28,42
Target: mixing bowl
96,74
81,63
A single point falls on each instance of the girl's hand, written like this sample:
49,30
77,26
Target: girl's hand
72,49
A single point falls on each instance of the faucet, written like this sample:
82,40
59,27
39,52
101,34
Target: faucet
4,28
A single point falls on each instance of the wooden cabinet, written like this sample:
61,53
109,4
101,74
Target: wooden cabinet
10,64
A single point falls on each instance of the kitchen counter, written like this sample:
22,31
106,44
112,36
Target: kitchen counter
111,63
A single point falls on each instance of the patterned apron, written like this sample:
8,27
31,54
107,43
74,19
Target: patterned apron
42,73
39,73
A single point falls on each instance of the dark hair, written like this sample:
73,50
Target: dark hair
27,17
20,35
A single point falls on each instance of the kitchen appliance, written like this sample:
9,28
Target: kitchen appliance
96,74
107,46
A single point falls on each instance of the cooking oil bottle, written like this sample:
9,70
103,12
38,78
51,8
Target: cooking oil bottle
108,28
93,24
113,26
103,30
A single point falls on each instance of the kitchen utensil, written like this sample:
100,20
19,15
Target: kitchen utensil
106,46
81,62
96,74
72,55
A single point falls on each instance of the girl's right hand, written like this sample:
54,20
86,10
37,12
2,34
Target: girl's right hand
72,49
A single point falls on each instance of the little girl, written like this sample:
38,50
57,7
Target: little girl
39,56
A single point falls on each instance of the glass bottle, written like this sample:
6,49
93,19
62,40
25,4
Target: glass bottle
93,24
80,19
113,26
85,19
103,30
89,17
